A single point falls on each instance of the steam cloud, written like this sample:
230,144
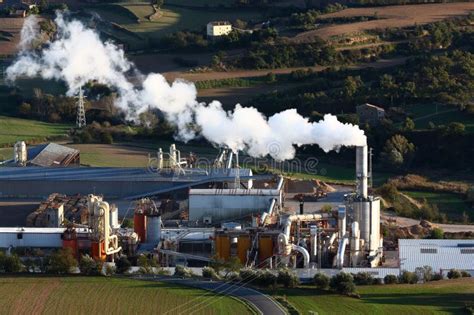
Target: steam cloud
77,56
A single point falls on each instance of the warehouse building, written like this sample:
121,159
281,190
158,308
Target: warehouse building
441,255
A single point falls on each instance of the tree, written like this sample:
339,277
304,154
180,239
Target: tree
398,152
351,85
363,278
424,273
409,124
62,261
158,3
321,280
342,283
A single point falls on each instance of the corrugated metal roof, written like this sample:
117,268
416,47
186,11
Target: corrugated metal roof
438,254
53,155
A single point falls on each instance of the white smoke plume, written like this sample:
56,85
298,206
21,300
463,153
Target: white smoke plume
77,56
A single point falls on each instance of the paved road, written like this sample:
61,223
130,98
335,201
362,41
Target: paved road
262,302
452,228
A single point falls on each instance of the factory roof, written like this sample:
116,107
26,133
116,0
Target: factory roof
438,254
239,191
52,154
36,230
216,23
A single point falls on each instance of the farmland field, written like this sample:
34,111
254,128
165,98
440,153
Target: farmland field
389,16
441,297
81,295
14,129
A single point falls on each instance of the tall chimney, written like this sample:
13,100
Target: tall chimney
362,171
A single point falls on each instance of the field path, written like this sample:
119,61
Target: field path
389,16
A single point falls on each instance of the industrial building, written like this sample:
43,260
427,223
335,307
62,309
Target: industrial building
441,255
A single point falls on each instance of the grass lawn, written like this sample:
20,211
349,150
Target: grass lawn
201,3
451,204
99,295
442,297
14,129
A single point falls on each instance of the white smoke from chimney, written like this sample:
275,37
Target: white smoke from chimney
77,56
29,32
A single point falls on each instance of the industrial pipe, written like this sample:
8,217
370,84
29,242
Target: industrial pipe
341,250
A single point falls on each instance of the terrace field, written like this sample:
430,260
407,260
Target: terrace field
441,297
95,295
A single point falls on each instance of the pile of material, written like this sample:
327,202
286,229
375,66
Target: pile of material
74,209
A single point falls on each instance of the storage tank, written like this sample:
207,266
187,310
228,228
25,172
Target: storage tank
243,246
98,250
70,241
153,229
114,222
223,247
139,226
265,249
20,154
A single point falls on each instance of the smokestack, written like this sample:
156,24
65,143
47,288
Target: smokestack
362,171
301,206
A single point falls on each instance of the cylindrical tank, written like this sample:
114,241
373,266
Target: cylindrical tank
362,210
153,229
20,154
265,249
223,247
139,226
243,246
362,170
98,250
114,223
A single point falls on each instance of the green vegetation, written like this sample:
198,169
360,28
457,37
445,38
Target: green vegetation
452,204
441,297
67,295
14,129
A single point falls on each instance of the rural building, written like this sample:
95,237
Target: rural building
218,28
370,114
441,255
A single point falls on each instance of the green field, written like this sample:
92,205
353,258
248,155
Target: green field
442,297
99,295
15,129
423,114
135,17
451,204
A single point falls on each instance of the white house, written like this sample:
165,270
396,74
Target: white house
218,28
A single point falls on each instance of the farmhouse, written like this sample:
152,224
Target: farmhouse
370,114
218,28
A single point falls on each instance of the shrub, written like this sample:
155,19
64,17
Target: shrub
181,271
465,274
363,278
10,263
110,269
321,280
123,265
408,277
106,138
390,279
425,273
208,272
87,265
248,275
437,277
287,278
437,233
342,283
233,277
62,261
454,274
265,278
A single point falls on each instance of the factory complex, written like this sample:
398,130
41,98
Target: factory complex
185,215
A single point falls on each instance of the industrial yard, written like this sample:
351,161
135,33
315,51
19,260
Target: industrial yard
333,176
